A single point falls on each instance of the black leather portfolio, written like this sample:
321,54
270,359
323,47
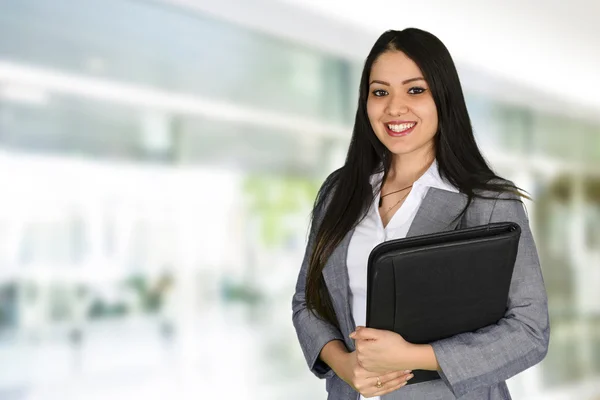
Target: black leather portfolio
431,287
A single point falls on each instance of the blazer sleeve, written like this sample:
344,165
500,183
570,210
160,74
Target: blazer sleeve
520,339
313,333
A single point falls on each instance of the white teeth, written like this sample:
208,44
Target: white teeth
401,127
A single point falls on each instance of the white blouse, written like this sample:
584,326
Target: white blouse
370,232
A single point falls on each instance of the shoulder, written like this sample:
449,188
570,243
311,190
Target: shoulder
499,200
328,186
331,180
508,205
496,189
325,193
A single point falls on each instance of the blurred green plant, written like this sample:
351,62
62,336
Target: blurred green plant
271,198
101,309
240,292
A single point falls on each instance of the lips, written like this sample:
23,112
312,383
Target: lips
399,128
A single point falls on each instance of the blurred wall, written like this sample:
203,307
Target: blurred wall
159,160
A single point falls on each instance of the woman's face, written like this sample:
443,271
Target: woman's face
400,106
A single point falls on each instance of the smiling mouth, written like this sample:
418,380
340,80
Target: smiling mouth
402,129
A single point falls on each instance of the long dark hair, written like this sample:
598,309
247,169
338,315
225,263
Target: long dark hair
347,194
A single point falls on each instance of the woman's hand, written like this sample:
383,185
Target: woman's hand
365,382
380,350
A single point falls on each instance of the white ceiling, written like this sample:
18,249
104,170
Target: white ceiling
542,53
552,46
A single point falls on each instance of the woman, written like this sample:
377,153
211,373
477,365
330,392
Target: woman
412,168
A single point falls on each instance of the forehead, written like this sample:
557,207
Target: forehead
393,66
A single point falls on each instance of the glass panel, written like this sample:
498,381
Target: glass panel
516,132
234,145
499,127
77,126
557,136
591,143
189,53
553,213
481,112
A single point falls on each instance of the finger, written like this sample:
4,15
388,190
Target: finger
356,330
396,375
372,390
369,388
390,374
390,390
401,380
391,387
364,333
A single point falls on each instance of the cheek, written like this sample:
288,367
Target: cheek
434,122
374,111
430,113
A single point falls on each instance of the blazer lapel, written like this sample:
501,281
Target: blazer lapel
438,212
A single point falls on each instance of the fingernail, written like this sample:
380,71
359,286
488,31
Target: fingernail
409,377
408,371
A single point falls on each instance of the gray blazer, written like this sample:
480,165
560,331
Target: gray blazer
474,365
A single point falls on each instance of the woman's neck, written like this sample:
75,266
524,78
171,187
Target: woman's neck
407,168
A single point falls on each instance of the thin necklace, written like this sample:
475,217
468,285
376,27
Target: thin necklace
398,202
387,194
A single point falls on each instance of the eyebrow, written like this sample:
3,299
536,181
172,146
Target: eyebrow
419,78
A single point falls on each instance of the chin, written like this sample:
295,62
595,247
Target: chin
401,148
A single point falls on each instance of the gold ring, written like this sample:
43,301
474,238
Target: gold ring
378,385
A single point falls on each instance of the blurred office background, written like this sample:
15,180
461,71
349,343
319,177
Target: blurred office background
158,162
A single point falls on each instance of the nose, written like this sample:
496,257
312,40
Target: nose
396,106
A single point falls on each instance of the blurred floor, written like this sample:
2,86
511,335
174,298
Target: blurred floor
124,360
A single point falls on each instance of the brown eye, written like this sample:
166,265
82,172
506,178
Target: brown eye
379,93
416,90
